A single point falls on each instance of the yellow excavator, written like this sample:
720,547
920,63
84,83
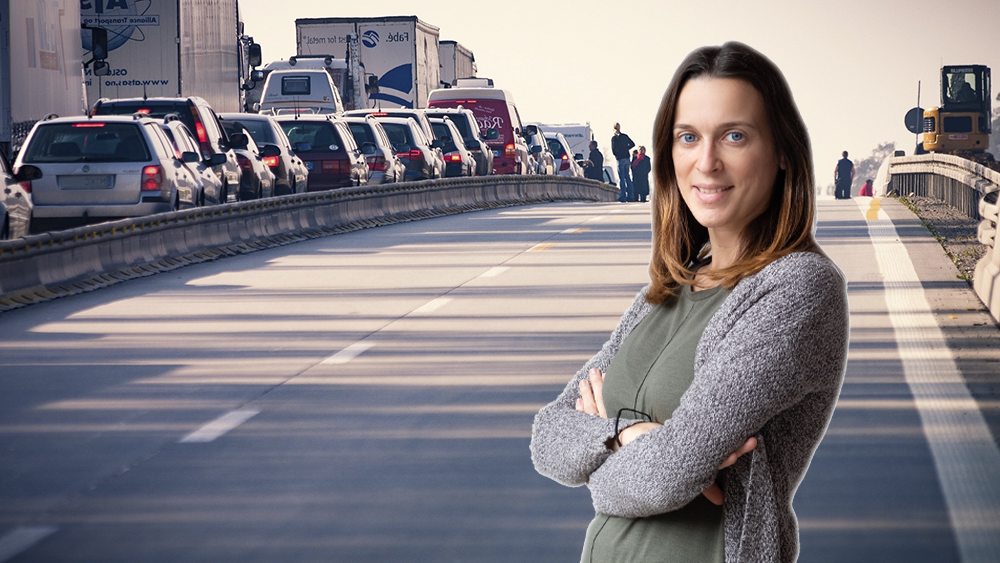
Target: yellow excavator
961,125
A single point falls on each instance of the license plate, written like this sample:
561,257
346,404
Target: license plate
498,153
309,165
87,182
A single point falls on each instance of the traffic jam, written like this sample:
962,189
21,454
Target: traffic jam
354,109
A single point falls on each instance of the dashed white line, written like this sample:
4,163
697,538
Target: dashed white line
220,426
348,354
494,272
432,306
965,455
20,539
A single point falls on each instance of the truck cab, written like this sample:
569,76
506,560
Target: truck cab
300,91
962,122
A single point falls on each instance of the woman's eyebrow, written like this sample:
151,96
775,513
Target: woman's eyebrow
725,125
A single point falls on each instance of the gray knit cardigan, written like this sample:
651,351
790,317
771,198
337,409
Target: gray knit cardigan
770,364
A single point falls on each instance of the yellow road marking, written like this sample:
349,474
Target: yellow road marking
872,213
541,247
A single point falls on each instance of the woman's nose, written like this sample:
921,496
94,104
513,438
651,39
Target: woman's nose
708,158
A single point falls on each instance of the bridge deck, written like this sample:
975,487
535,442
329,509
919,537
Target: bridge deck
368,397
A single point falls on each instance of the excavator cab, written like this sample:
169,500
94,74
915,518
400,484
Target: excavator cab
962,123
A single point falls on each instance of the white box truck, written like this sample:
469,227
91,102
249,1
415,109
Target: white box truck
456,62
170,48
401,51
579,136
40,67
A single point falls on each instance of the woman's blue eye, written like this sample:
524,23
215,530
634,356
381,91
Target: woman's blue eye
735,136
687,138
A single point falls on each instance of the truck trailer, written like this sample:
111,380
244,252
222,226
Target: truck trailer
456,62
401,51
40,66
579,135
171,48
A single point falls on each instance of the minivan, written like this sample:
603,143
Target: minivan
495,109
300,91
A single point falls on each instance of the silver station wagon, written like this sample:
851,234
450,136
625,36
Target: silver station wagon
97,168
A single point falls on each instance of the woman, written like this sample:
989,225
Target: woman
732,356
640,174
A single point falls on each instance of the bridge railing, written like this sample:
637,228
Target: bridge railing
45,266
965,185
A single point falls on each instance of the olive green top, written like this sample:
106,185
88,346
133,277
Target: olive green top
653,368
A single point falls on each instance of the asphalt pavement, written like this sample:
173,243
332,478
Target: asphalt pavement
369,396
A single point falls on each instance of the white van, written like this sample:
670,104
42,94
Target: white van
300,91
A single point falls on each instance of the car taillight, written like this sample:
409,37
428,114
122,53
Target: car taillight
509,151
271,161
244,163
87,124
565,162
152,178
453,157
414,154
335,166
376,163
26,186
202,134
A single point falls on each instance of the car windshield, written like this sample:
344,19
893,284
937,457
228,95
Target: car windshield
322,135
556,148
461,123
399,134
87,141
259,130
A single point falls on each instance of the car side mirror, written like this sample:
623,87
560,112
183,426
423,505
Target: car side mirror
437,144
239,141
190,157
492,134
267,149
255,54
368,148
217,159
402,148
101,68
303,146
27,173
578,156
536,149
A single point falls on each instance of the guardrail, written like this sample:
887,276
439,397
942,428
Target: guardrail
965,185
45,266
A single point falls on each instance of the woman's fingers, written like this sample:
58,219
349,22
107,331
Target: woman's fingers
714,494
747,447
587,398
597,384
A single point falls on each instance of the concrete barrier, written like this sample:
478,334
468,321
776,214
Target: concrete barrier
965,185
49,265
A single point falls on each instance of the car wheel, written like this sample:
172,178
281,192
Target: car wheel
5,230
224,193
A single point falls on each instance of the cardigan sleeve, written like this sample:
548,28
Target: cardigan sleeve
784,336
568,445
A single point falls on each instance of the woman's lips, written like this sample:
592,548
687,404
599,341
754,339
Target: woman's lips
710,193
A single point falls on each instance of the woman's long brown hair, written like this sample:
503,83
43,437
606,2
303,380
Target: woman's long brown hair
783,228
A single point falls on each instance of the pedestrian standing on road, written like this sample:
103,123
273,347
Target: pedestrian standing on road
620,145
593,167
867,190
843,177
694,424
640,174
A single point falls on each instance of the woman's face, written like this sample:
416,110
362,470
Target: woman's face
723,152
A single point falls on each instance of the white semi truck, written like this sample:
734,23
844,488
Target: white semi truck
171,48
456,62
401,51
40,67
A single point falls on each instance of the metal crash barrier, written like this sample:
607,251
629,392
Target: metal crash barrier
965,185
45,266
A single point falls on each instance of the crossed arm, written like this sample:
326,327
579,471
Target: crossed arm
591,401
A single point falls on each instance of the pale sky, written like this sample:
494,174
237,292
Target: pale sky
853,65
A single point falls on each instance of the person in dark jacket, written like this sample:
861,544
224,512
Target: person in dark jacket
620,145
594,165
640,175
843,177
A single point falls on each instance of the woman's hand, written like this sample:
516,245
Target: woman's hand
591,399
713,493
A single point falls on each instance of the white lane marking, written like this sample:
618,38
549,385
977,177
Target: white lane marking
965,455
20,539
348,354
219,426
432,306
494,272
575,230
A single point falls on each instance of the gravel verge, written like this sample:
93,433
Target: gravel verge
953,229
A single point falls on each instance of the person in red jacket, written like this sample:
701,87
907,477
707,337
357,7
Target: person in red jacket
866,190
